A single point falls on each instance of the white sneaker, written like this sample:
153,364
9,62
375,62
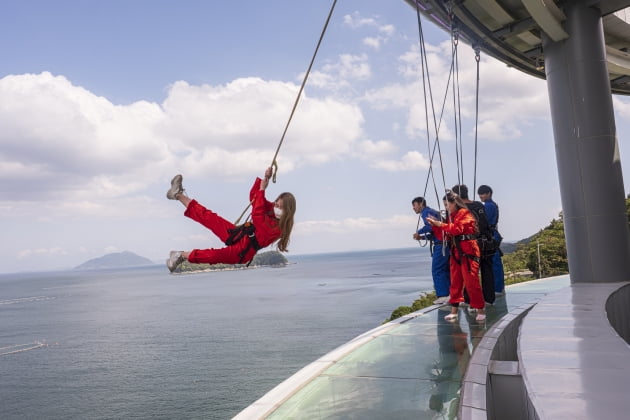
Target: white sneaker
451,317
441,300
480,317
176,188
174,260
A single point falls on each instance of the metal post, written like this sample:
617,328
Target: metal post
587,154
539,266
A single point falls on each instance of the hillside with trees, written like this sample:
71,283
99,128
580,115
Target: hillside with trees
544,254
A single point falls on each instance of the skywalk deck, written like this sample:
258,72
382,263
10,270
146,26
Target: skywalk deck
413,367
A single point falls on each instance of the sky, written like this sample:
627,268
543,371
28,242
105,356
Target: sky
102,103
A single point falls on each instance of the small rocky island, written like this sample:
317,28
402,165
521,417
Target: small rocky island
263,259
115,260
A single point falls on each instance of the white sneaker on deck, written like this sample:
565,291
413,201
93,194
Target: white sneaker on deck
480,317
176,187
175,258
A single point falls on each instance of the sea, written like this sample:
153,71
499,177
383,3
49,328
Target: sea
141,343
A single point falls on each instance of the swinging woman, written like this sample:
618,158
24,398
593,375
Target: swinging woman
464,263
270,222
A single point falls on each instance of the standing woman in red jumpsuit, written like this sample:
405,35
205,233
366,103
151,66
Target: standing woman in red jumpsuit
271,221
461,230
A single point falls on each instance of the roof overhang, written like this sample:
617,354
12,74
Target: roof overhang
511,31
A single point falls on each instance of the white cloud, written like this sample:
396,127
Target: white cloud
353,225
368,149
60,140
383,31
29,253
379,154
411,161
387,30
56,137
499,113
346,71
498,130
373,42
356,21
622,107
243,121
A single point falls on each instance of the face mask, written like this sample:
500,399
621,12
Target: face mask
277,211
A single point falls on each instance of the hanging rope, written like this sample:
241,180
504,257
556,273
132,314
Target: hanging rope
274,163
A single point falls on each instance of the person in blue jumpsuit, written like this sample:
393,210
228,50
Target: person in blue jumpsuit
439,251
492,213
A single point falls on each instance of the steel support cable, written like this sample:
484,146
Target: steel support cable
477,59
436,142
436,146
459,148
459,152
458,110
274,163
424,65
436,124
426,110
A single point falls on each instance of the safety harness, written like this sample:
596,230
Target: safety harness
457,243
236,234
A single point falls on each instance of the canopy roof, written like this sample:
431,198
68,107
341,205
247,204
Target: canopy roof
511,31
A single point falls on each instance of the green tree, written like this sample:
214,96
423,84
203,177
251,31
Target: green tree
548,254
550,244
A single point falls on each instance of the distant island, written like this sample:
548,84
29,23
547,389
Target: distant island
264,259
115,260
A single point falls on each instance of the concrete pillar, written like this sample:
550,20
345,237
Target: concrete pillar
589,167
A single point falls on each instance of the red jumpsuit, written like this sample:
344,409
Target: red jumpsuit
464,270
267,230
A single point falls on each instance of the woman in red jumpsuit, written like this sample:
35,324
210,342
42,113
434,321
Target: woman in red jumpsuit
272,221
461,230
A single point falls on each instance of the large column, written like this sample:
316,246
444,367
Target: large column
589,167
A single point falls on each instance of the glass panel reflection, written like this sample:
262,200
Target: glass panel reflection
414,370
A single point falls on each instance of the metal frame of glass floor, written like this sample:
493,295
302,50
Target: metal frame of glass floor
412,367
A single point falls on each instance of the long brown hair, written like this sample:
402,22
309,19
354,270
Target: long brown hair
286,220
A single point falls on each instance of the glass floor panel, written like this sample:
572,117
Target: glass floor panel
413,370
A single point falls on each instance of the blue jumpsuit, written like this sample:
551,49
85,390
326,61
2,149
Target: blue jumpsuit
492,214
439,263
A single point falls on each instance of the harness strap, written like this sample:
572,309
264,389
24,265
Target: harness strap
457,241
467,237
236,234
472,257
